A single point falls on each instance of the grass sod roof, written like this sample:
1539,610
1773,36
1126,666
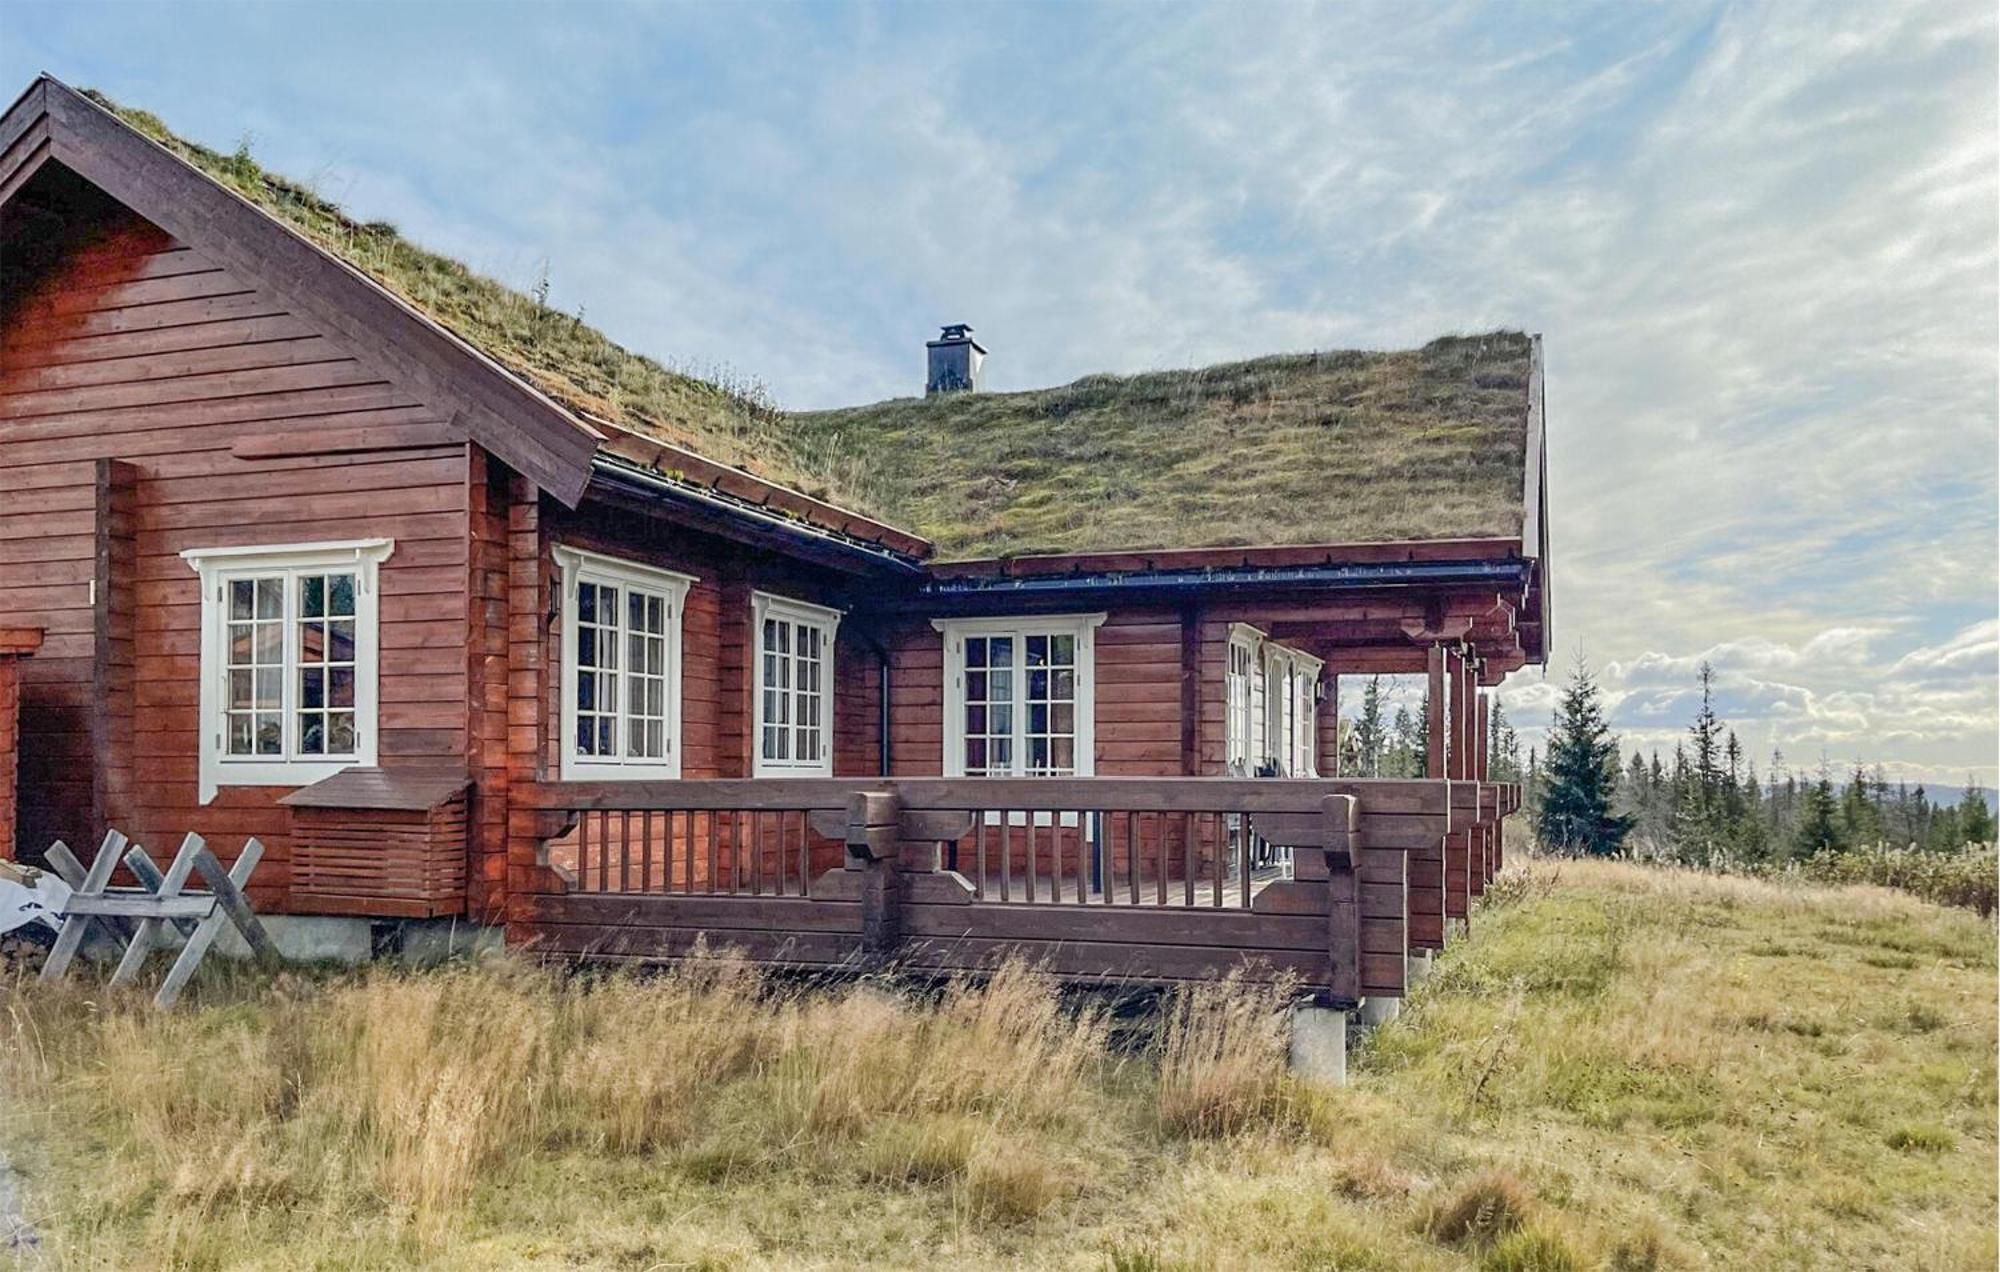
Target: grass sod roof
1343,447
1298,448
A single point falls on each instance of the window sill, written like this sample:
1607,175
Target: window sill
223,775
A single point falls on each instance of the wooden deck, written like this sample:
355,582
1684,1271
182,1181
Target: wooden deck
1331,883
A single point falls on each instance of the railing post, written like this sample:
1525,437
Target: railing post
873,820
1338,837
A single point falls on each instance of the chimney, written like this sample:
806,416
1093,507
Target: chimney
955,362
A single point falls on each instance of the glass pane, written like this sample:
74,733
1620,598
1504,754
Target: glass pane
270,643
240,688
340,733
586,647
239,735
586,602
975,753
1003,720
240,593
1062,755
1001,651
239,645
270,687
312,733
270,598
340,594
975,686
1064,650
1002,754
586,692
312,642
340,687
312,687
1038,754
586,736
1062,718
270,735
656,738
604,738
1038,718
1038,685
1038,651
1062,684
975,652
312,596
342,647
975,719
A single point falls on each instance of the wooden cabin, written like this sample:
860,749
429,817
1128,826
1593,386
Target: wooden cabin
464,612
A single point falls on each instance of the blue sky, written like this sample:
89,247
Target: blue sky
1759,240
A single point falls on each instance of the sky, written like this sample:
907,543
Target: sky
1759,241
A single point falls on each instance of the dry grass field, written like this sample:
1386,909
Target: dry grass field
1625,1067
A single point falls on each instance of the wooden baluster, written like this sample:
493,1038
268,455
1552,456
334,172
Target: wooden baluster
583,848
979,855
1159,858
1221,860
624,850
1082,858
714,849
1187,858
604,851
1028,829
1132,858
1243,855
805,854
1006,856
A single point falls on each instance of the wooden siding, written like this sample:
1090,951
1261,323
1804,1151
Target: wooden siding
129,370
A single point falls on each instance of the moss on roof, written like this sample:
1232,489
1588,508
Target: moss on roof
1298,448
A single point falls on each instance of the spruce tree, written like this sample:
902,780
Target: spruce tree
1370,737
1580,778
1860,820
1975,820
1819,819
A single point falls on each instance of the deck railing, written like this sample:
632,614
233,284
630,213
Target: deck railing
1330,880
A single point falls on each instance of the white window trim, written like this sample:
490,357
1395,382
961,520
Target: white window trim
577,565
1243,636
1302,700
765,605
1082,626
216,566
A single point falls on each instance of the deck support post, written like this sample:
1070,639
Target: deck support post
1422,963
1379,1009
873,819
1319,1044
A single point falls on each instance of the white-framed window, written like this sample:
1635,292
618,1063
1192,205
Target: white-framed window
1290,716
1240,678
1020,696
621,667
793,731
289,661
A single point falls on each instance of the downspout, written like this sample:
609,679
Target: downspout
882,678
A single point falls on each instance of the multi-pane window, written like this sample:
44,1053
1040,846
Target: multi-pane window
1290,704
288,661
621,670
1021,697
794,685
1239,677
291,665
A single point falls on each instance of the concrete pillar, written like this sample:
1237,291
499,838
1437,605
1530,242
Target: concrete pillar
1421,963
1319,1044
1379,1009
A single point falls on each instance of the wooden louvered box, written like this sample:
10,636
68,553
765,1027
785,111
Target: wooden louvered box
390,843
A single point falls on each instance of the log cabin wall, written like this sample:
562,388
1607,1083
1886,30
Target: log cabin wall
134,376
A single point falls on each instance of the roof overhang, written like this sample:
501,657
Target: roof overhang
52,122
